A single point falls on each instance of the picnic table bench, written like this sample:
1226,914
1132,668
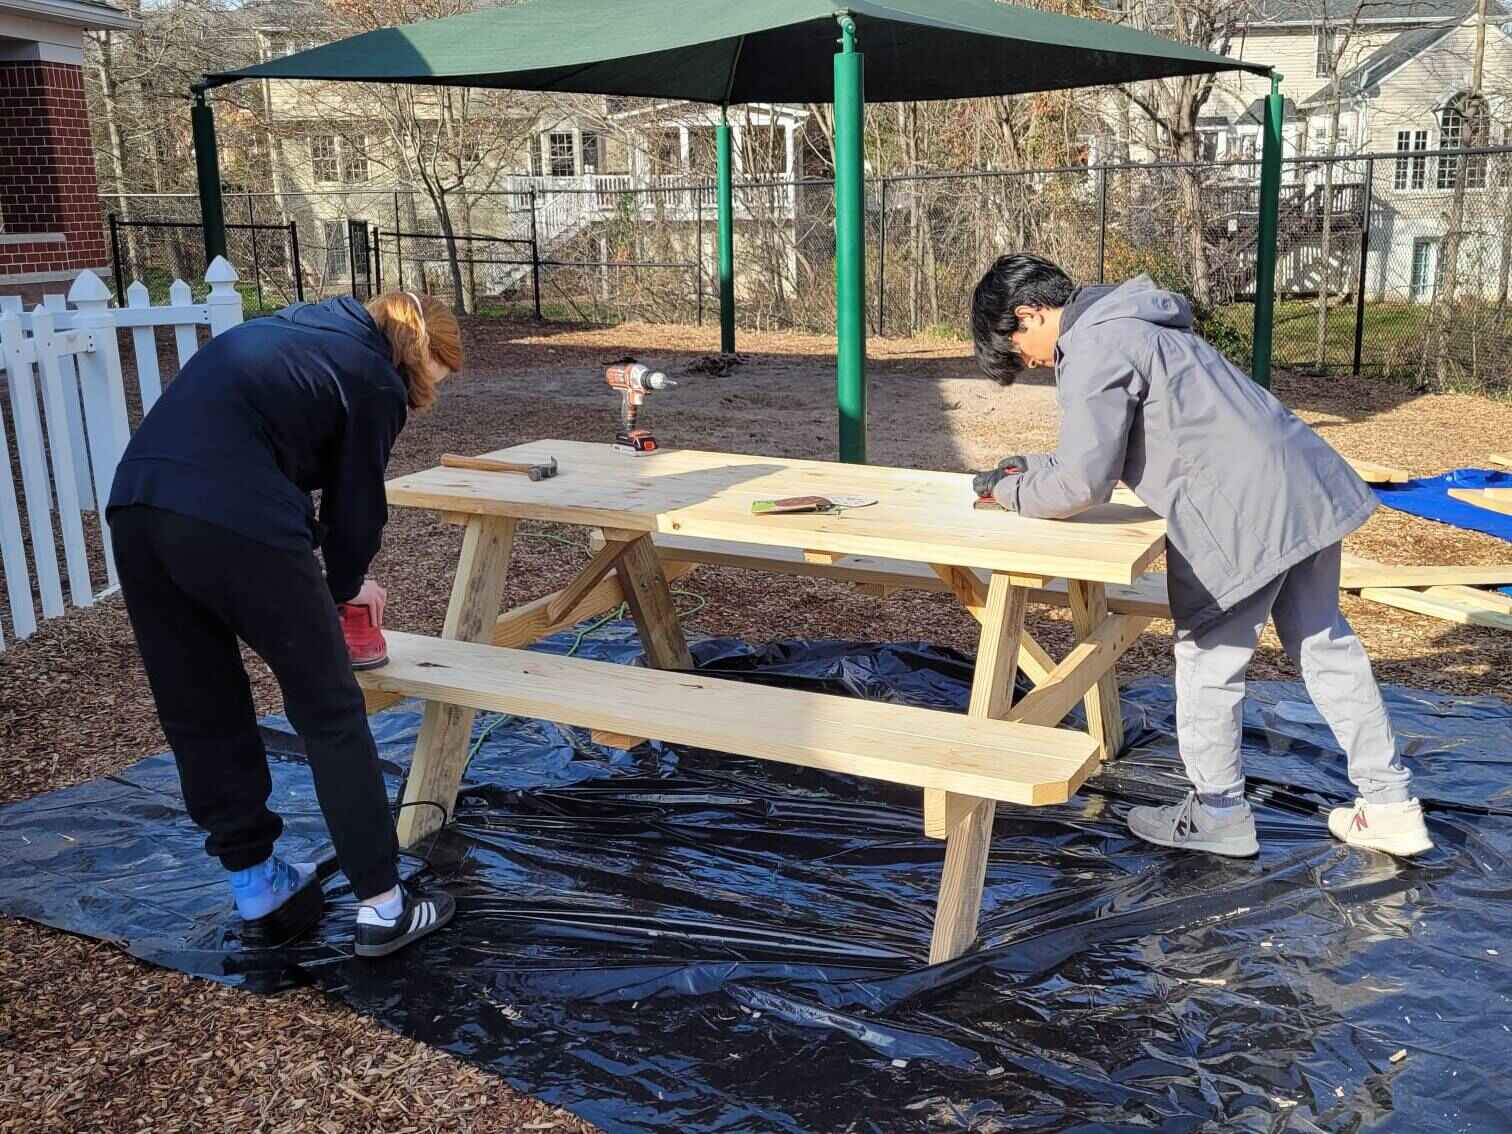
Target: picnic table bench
655,518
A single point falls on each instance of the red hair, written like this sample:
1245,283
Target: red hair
419,328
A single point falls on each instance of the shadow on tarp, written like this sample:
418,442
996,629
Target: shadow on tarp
674,940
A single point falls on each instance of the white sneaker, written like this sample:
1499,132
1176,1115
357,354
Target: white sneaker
1396,828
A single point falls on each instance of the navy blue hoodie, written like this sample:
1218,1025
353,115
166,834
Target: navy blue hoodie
265,414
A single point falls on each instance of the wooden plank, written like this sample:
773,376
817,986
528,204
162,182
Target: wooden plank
652,607
1470,596
903,744
969,589
1449,610
1372,473
441,751
920,515
1086,664
1145,596
998,650
969,838
1036,664
1491,499
1089,610
1503,459
974,596
616,739
1353,577
823,557
588,578
532,622
959,907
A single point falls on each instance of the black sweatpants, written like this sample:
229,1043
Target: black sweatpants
192,589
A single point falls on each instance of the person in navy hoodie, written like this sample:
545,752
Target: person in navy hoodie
214,535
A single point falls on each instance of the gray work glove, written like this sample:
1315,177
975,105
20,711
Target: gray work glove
984,482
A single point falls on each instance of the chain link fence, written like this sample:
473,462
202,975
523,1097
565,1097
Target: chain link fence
1387,264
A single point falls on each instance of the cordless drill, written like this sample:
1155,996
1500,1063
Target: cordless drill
634,382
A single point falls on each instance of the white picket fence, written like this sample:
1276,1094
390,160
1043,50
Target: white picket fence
68,425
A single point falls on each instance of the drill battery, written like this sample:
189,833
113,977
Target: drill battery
637,442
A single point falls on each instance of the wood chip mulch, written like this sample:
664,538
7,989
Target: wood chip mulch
91,1039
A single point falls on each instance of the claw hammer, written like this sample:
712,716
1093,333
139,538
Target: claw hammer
486,464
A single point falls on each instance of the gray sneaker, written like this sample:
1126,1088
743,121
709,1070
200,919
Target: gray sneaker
1189,826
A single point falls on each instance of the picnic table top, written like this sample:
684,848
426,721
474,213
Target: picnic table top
920,516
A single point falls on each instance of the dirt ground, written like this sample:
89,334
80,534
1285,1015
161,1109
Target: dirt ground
92,1040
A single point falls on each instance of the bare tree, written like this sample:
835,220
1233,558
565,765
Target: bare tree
448,140
1173,107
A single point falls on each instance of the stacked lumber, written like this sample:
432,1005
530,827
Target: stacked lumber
1449,593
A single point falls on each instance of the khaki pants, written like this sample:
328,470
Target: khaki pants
1210,668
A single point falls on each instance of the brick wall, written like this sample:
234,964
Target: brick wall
47,172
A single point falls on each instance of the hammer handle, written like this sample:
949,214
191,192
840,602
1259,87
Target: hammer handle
481,464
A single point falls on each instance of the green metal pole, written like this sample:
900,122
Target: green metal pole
726,239
850,244
1265,250
207,164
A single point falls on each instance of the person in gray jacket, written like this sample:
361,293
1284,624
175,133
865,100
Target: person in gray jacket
1255,505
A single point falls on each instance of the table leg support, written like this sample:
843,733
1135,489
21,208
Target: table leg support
960,905
1089,610
967,821
441,750
651,605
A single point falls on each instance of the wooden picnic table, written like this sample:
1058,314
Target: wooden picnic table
996,563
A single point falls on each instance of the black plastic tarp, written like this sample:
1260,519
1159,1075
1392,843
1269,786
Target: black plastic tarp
679,940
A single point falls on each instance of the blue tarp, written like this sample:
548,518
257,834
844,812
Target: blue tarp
1429,498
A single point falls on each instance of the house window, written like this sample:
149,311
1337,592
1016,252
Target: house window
1462,125
1424,283
323,161
1451,137
354,163
563,154
336,248
1247,145
1411,172
703,151
1207,144
593,161
1328,47
666,156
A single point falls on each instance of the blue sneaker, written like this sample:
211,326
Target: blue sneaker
277,901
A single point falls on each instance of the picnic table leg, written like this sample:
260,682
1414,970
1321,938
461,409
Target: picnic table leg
651,605
1089,609
1036,664
446,731
968,820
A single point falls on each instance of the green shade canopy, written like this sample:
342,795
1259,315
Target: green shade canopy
723,52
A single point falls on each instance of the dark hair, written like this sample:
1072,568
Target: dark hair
1015,281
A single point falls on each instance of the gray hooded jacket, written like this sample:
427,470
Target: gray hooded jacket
1247,490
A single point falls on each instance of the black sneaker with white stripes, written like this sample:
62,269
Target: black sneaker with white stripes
378,936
